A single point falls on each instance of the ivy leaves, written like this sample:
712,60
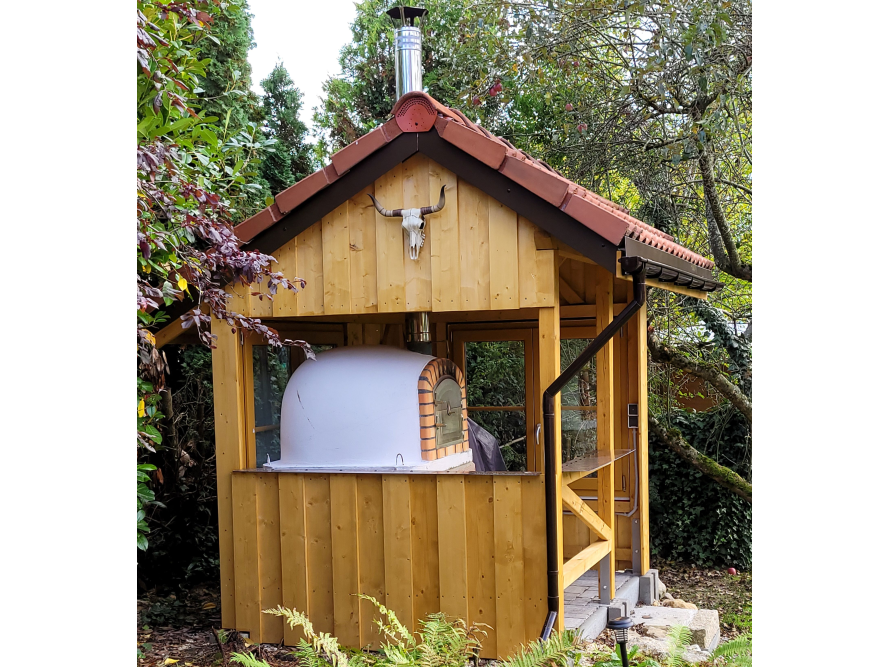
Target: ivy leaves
144,495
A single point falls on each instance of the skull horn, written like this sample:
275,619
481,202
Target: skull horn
438,207
395,213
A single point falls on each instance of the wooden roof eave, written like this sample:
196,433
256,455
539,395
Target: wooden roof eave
488,180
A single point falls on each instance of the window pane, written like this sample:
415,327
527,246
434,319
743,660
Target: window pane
581,389
509,428
578,421
270,376
268,446
578,434
495,373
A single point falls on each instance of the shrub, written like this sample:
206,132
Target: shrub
692,518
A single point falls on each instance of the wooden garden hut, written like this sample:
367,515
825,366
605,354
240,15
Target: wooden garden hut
517,254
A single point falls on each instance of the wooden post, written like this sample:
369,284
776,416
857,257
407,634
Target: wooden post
640,385
231,450
440,340
605,421
353,334
549,369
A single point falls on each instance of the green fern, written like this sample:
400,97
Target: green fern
735,652
551,652
679,638
306,655
249,660
445,642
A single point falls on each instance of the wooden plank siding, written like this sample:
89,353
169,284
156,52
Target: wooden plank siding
468,545
478,254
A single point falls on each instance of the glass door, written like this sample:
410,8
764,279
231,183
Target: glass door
498,368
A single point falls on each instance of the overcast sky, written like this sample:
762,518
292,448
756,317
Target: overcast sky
306,35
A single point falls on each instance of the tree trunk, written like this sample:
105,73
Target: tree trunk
665,354
726,478
735,267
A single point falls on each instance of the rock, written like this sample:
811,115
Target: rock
657,647
705,628
668,596
679,603
660,588
656,631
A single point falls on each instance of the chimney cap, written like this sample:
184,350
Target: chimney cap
406,15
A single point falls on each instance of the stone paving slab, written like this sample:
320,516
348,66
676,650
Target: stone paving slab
582,596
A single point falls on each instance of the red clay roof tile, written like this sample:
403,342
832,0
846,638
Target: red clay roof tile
544,184
391,129
298,193
255,224
485,150
603,222
349,156
418,112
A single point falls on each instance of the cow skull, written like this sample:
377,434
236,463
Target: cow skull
413,221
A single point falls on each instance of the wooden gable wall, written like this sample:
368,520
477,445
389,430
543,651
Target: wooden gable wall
478,254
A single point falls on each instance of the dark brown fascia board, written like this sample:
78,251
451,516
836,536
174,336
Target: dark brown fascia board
490,181
326,200
509,193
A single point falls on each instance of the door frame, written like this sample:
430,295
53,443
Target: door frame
461,335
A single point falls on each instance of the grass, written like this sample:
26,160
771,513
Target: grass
741,621
715,589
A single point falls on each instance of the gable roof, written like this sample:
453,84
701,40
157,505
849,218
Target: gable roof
421,123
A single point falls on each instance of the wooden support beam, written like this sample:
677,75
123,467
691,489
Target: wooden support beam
569,293
605,410
354,334
583,512
569,253
231,450
548,370
573,311
582,562
639,394
173,331
568,477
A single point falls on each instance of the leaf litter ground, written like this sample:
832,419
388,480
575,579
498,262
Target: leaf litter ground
182,630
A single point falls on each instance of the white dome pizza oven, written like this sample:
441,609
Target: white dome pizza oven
374,407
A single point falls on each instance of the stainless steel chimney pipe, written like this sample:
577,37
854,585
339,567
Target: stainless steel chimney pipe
409,73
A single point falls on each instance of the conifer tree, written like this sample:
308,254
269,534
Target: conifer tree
226,83
291,160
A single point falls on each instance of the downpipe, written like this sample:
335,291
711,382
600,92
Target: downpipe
637,268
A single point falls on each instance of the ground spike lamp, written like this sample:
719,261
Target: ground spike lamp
413,221
619,627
